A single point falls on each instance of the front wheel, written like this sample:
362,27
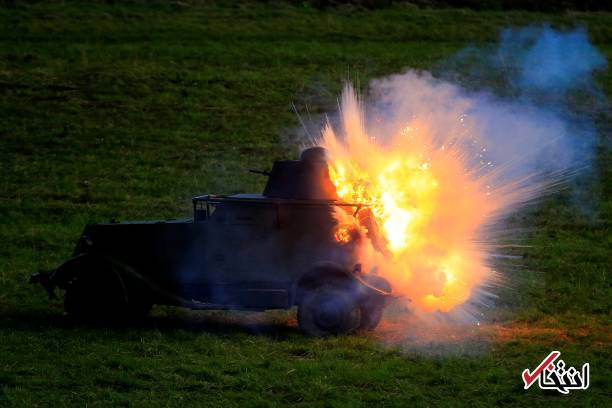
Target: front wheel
328,310
372,307
371,313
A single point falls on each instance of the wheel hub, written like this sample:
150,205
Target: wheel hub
329,314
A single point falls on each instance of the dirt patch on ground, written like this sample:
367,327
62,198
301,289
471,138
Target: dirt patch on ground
432,335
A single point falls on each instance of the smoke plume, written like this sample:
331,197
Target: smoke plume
443,158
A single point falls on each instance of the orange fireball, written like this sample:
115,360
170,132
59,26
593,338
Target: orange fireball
426,201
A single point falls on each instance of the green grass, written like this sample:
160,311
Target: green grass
127,110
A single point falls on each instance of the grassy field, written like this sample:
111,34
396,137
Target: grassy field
111,111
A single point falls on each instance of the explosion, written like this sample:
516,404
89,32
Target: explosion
425,201
438,168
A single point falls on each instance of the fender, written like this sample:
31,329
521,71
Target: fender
377,284
64,274
334,273
131,281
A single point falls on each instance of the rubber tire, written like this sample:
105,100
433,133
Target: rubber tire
371,313
327,311
98,296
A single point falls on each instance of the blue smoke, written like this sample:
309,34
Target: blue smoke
546,78
552,60
536,63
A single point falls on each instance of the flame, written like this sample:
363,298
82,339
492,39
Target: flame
426,201
349,229
342,234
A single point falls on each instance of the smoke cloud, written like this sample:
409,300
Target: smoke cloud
509,123
549,60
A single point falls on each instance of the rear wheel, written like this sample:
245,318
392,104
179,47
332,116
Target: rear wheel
328,310
99,296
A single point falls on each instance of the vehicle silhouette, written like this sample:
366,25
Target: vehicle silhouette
245,251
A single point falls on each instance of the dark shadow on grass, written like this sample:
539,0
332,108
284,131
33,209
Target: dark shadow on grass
275,325
278,325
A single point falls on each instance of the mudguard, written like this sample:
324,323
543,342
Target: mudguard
331,272
63,275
